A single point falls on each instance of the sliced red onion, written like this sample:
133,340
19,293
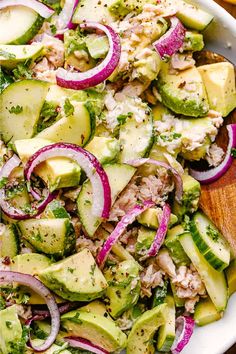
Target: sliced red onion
88,162
62,309
176,175
120,228
35,5
8,209
161,232
82,343
184,331
64,18
172,40
215,173
39,288
93,77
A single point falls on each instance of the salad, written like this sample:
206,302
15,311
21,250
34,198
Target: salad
106,122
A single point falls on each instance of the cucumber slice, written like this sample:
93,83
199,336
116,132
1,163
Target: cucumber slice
231,277
209,241
12,55
176,250
20,106
192,16
136,139
50,236
77,128
104,149
166,333
205,312
119,176
19,24
214,281
100,11
9,241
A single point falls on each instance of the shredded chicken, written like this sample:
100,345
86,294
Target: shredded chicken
24,311
182,61
82,242
152,187
151,277
165,262
214,155
44,70
54,49
189,285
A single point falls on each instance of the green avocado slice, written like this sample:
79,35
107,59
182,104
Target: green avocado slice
96,328
140,340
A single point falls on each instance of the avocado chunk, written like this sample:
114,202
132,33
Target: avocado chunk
123,287
190,199
56,172
205,312
10,329
140,339
179,302
96,307
231,277
76,278
12,55
104,149
9,241
176,250
100,330
98,46
50,236
183,93
150,218
193,41
219,80
147,69
30,263
144,240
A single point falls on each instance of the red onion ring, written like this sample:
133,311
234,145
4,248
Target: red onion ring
37,286
184,331
64,18
12,212
93,77
176,175
215,173
172,40
82,343
120,228
88,162
161,232
62,309
43,10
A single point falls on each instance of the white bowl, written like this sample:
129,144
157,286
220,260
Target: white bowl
217,337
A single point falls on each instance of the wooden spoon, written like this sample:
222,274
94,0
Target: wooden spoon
218,199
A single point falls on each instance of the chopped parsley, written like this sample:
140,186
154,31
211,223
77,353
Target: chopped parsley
68,107
8,324
53,29
48,116
93,267
71,270
76,319
22,70
233,152
170,137
3,182
121,119
7,55
18,347
16,109
212,233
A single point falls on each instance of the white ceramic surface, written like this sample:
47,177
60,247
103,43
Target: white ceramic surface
217,337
